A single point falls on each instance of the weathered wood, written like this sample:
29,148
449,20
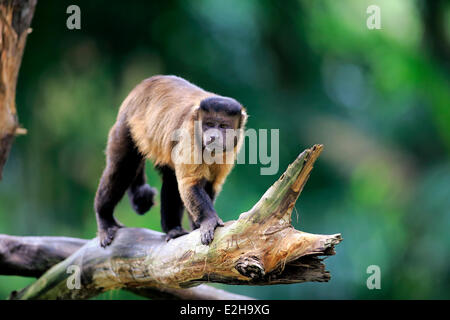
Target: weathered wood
260,248
15,21
201,292
33,256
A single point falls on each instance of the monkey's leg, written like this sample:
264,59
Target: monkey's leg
140,193
122,163
171,205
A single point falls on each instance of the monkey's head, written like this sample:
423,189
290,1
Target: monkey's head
221,118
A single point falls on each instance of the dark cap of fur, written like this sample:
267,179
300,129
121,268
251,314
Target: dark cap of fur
221,104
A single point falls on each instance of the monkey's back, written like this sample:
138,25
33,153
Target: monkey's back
157,107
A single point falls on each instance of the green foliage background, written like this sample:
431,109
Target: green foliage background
377,99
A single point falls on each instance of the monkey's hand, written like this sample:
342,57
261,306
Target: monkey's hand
107,231
207,228
175,233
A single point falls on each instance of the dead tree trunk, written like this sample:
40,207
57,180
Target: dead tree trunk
33,256
260,248
15,21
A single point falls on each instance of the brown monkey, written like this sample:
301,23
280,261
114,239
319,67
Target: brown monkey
145,127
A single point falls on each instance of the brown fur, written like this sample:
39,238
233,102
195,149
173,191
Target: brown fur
150,114
158,106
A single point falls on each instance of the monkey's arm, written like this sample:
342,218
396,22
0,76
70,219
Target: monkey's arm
200,206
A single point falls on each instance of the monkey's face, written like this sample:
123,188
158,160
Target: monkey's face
219,132
221,119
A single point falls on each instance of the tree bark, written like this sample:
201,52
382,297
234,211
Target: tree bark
15,21
33,256
260,248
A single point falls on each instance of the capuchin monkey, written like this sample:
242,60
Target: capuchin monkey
148,118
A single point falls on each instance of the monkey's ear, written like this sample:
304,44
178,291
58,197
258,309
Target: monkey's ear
243,119
198,134
196,112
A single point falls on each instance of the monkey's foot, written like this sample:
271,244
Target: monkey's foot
142,198
175,233
107,233
207,228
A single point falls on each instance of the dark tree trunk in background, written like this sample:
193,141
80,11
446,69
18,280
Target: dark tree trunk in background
433,17
15,20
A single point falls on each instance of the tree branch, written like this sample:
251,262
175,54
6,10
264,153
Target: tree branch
260,248
15,21
33,256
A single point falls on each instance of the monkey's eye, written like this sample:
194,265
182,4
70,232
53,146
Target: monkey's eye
209,124
224,126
